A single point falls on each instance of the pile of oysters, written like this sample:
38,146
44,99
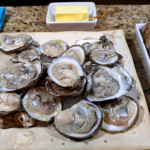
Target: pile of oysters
34,87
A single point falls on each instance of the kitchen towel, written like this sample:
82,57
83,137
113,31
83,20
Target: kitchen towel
2,16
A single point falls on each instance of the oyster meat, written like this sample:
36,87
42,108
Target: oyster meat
80,121
39,104
119,114
77,52
27,55
15,43
54,48
65,71
105,83
9,102
20,75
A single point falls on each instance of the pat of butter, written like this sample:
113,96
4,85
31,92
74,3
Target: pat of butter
72,13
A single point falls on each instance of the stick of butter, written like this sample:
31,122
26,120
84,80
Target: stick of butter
72,13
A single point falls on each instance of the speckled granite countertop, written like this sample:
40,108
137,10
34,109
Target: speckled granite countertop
32,19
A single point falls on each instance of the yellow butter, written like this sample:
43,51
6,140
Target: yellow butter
72,13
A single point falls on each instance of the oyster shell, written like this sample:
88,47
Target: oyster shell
87,40
57,90
104,57
125,77
80,121
88,44
107,42
65,71
19,120
119,114
54,48
20,75
104,43
105,83
77,52
88,67
9,102
23,138
39,104
27,55
15,43
46,61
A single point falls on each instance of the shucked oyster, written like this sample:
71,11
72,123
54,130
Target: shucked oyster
119,114
105,83
20,75
77,52
14,43
65,71
104,57
27,55
9,102
39,104
54,48
80,121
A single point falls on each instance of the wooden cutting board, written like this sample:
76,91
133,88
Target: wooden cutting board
47,138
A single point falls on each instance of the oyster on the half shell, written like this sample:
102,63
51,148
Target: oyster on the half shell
77,52
20,75
105,83
39,104
9,102
10,43
65,71
119,114
27,55
54,48
104,57
80,121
